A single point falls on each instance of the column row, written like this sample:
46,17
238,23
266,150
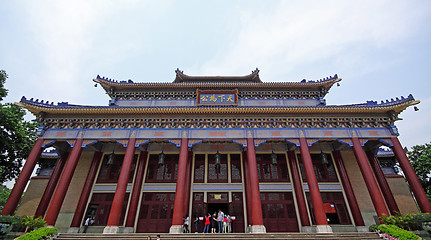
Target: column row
366,161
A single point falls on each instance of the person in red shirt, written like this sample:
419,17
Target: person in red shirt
207,223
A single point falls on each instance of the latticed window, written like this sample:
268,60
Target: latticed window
325,172
109,173
235,160
198,204
269,172
199,168
217,173
162,173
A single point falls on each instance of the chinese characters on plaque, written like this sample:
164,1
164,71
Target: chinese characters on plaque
217,97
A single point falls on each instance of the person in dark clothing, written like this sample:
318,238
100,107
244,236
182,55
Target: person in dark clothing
214,223
196,222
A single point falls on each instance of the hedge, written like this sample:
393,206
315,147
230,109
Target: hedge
397,232
40,233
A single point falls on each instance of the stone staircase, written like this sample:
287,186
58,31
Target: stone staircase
222,236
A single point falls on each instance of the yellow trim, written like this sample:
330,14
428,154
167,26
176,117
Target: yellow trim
221,110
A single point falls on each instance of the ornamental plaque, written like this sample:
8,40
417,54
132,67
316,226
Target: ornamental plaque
217,97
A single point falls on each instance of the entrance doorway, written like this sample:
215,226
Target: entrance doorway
214,207
220,201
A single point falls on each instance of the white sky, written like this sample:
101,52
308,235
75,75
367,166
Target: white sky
52,49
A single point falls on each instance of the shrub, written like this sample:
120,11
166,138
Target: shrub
32,223
374,228
40,233
409,221
397,232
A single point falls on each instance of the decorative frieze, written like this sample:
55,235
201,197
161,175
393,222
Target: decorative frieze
175,123
172,95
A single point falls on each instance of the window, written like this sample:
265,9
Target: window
268,172
324,172
163,173
110,173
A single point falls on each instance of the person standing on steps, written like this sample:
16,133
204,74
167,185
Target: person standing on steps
214,223
196,223
220,217
186,223
88,221
207,223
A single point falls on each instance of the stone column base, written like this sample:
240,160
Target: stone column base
362,229
257,229
307,229
73,230
111,230
174,229
129,230
323,229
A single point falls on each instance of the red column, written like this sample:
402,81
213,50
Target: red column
411,177
348,190
383,183
22,180
256,204
187,184
367,174
123,180
137,189
50,187
248,198
299,191
177,218
86,190
313,187
63,184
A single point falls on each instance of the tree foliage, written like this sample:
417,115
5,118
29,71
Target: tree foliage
17,136
420,158
4,195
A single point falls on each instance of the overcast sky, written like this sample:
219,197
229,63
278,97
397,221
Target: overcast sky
52,50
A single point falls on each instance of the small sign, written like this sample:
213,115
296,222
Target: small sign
201,218
216,97
217,196
233,217
329,208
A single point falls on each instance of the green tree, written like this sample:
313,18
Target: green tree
420,158
4,195
17,136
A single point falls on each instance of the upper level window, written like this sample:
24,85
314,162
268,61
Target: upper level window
268,171
325,172
109,173
217,173
162,173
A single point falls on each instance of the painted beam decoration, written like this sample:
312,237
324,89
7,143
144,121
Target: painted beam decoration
217,97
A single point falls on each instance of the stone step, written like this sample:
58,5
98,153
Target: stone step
200,236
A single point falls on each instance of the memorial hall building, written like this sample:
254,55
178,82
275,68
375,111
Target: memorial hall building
273,155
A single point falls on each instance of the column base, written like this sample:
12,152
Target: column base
257,229
323,229
362,229
175,229
73,230
111,230
307,229
129,230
